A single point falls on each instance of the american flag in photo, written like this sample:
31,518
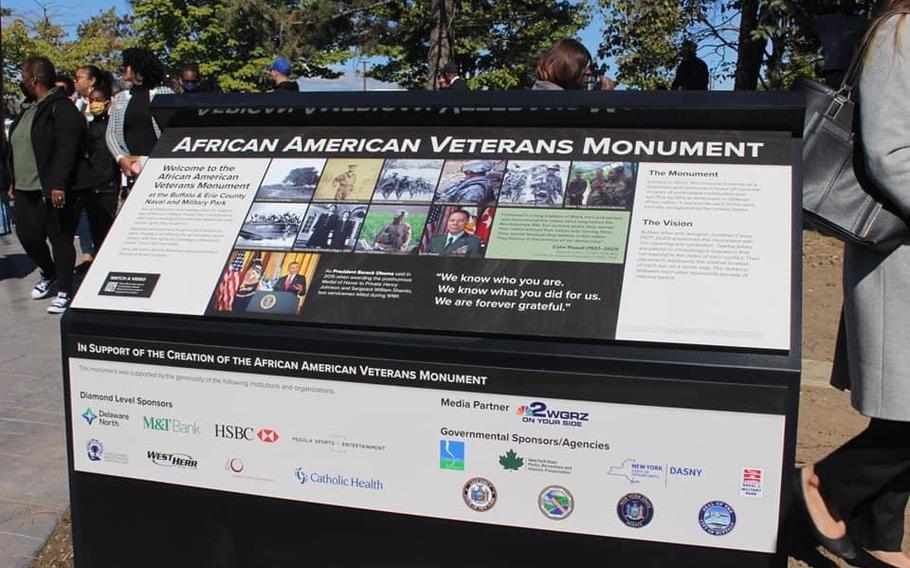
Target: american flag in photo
230,281
433,218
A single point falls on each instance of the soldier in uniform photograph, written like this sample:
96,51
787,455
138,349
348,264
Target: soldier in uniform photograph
613,191
344,183
475,187
394,236
456,242
293,281
549,190
575,192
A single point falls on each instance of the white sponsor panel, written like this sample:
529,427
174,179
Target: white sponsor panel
548,464
708,259
179,222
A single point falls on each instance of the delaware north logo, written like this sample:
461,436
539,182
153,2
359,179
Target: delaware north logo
451,455
538,412
479,494
89,415
556,502
717,518
635,510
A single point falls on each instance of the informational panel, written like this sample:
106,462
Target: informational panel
657,236
460,442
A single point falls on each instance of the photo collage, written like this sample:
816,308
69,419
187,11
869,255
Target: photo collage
305,207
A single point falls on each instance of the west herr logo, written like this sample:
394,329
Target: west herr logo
540,413
182,461
170,425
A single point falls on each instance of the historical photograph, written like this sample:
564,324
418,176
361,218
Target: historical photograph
408,180
533,182
609,185
474,182
265,282
290,180
452,230
271,226
348,179
331,226
392,229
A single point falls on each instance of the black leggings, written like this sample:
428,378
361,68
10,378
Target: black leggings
37,221
867,483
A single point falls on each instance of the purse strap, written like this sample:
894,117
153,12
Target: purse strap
844,94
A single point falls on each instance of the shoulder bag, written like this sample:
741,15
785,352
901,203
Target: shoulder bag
838,198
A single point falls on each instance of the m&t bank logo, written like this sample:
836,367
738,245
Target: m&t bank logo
539,412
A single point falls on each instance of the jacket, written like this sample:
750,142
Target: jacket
61,144
872,357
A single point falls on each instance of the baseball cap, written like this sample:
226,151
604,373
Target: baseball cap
281,65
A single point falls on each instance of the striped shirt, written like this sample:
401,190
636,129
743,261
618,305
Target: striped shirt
116,140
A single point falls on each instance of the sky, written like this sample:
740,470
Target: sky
70,12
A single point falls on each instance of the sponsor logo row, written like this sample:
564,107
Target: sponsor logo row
452,457
634,510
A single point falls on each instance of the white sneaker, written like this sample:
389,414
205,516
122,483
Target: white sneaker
42,288
59,304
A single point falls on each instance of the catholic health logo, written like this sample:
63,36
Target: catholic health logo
479,494
717,518
635,510
556,502
304,477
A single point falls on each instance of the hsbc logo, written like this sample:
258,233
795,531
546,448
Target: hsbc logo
267,435
245,433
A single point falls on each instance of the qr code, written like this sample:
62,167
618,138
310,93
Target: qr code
110,287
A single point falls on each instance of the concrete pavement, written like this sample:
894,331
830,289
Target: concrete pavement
33,480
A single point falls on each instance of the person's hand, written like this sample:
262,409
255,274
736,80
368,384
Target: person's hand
607,84
9,191
130,165
58,198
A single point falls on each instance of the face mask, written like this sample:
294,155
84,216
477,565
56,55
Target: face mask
97,108
189,87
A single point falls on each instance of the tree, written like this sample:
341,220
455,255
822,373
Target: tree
98,40
495,43
759,43
235,40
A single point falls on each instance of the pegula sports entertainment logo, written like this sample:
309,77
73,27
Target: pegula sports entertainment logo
538,412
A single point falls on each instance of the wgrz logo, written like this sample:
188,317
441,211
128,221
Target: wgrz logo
538,412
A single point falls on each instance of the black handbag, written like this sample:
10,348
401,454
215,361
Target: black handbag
838,198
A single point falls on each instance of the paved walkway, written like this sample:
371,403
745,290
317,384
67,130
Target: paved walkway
33,478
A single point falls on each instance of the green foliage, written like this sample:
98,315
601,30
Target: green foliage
234,41
98,41
496,42
511,461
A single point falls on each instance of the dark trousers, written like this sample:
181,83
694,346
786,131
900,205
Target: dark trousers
37,221
100,208
867,483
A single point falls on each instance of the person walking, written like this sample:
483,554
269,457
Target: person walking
692,72
100,202
854,499
132,131
280,74
49,165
